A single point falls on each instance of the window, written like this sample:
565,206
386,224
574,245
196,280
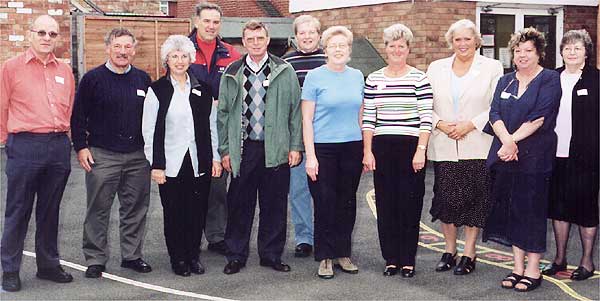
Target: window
164,6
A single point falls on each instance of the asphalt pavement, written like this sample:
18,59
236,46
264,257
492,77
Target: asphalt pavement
259,283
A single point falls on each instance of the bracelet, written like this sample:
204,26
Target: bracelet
421,146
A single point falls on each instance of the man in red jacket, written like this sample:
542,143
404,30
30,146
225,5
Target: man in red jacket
212,56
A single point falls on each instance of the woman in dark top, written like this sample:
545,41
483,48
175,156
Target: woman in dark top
523,116
574,183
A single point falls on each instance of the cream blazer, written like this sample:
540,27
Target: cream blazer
474,105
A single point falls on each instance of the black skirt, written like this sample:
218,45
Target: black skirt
461,193
574,193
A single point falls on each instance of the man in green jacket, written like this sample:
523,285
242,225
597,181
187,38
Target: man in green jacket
260,138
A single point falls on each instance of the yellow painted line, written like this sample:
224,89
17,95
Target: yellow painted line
370,197
437,244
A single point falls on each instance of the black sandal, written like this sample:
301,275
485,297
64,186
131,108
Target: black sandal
530,284
554,268
465,266
446,263
513,279
581,273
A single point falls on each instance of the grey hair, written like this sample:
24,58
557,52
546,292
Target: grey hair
337,30
116,33
463,24
177,43
574,36
396,32
207,5
307,19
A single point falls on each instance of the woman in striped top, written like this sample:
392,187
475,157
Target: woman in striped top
396,125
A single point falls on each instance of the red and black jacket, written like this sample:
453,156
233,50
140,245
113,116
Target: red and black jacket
222,56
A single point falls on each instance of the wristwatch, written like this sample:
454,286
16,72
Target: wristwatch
421,146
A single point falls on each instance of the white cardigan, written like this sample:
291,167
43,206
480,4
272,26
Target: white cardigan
474,105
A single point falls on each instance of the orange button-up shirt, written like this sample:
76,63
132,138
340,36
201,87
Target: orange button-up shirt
34,97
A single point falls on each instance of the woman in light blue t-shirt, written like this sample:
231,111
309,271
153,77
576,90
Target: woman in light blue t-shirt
331,103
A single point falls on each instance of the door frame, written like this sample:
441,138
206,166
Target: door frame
521,12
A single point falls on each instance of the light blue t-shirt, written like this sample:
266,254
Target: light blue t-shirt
338,97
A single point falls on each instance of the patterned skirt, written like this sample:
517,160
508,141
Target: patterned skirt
461,193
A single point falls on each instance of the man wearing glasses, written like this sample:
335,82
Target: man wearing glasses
260,138
107,136
36,99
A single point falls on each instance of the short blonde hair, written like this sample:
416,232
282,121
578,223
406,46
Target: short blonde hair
337,30
463,24
177,43
396,32
307,19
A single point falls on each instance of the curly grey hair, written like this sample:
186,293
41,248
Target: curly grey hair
396,32
175,43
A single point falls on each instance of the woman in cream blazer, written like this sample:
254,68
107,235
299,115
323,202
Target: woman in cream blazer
463,87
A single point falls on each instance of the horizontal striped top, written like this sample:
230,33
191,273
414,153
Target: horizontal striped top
397,106
304,62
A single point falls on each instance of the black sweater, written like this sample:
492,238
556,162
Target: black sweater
108,110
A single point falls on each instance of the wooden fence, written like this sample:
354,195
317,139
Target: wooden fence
150,33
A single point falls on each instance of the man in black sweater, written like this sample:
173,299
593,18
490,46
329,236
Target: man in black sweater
107,134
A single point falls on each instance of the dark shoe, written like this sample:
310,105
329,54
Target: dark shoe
390,270
11,281
530,283
554,268
276,265
465,266
513,279
446,263
581,273
408,273
196,267
94,271
219,247
181,268
303,250
56,274
137,265
233,267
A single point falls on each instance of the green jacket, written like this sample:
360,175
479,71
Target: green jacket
283,118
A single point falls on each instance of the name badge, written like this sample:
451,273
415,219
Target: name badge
265,83
582,92
61,80
505,95
141,93
196,92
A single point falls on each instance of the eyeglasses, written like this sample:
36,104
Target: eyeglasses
338,46
176,57
43,33
255,40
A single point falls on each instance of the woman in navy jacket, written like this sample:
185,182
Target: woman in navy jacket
523,116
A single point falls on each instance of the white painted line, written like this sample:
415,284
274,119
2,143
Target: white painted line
148,286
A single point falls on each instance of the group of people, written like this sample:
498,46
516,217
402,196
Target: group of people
509,151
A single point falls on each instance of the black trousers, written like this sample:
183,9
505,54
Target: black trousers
184,200
272,185
37,168
334,195
399,195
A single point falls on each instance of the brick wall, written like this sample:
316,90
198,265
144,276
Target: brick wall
428,45
15,18
140,7
233,8
583,17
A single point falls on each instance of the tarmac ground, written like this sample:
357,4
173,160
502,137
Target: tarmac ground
259,283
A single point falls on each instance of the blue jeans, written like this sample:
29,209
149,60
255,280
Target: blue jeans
301,205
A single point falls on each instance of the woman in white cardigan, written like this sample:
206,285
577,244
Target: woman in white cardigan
463,87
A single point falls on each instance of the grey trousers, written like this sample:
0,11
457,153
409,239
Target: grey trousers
128,176
216,216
